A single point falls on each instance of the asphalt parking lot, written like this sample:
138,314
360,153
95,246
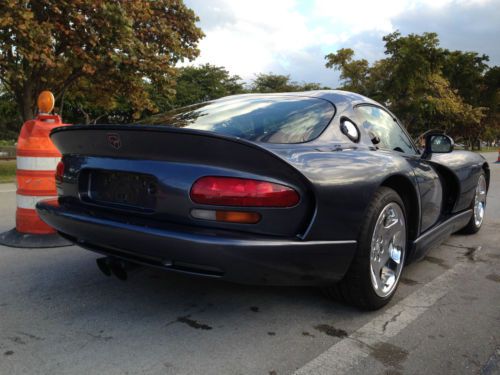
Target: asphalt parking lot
59,314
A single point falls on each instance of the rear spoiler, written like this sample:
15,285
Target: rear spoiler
174,145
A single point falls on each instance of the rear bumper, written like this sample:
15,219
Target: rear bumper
239,258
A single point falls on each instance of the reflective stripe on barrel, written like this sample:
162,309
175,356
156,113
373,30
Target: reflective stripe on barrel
37,163
28,202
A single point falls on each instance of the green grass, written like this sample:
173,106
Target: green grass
7,142
489,149
483,149
7,171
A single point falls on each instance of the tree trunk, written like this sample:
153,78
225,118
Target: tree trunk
26,109
85,114
61,107
27,102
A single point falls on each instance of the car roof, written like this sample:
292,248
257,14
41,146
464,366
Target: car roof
336,97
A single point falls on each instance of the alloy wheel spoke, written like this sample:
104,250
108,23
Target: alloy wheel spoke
377,267
386,255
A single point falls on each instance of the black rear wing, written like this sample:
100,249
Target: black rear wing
174,145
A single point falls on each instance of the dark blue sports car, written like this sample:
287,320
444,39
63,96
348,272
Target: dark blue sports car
313,188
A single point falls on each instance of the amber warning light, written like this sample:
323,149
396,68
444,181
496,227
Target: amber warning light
45,102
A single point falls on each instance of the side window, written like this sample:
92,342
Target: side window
380,124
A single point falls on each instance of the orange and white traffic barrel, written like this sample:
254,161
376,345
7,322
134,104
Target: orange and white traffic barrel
37,159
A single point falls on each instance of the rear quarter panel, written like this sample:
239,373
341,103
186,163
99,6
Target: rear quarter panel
344,181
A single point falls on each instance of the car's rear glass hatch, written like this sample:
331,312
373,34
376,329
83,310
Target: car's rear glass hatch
119,189
259,118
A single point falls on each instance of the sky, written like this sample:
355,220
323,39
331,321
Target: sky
292,37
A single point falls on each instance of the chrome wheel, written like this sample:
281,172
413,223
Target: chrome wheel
388,248
480,201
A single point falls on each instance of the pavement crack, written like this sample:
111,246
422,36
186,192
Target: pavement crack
193,323
437,261
393,319
100,336
17,340
31,336
408,281
331,330
471,253
457,246
190,322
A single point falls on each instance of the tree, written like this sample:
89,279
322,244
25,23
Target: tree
353,73
9,117
206,82
490,97
267,83
114,49
310,86
465,71
442,105
84,105
425,85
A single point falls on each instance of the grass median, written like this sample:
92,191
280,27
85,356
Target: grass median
7,171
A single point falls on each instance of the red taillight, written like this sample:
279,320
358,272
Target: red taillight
229,191
59,171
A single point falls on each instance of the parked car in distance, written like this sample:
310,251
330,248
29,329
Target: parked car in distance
314,188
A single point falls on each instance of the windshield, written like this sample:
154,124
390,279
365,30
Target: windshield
271,119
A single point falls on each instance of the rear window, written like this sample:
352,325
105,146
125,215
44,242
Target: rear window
270,119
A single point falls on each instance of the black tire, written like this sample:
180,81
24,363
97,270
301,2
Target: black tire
472,227
356,287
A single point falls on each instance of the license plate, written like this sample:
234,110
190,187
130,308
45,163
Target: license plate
124,189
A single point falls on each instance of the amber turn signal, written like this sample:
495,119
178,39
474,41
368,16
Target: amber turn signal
239,217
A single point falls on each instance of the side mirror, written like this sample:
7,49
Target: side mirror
438,144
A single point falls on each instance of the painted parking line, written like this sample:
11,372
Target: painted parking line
343,356
8,191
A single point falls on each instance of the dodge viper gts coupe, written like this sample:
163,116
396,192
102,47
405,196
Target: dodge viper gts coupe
318,188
